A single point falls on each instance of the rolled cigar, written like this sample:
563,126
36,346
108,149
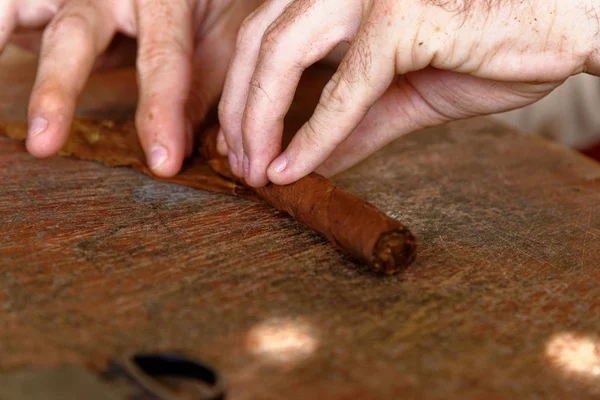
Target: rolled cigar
353,225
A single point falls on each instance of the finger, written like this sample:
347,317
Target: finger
399,111
306,32
70,44
36,14
164,73
8,21
423,99
362,78
237,83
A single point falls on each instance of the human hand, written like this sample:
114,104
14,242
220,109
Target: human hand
411,64
183,49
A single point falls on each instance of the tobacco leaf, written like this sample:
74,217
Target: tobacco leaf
109,136
116,145
351,224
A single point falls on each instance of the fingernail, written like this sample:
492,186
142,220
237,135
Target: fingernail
37,126
158,155
279,163
246,165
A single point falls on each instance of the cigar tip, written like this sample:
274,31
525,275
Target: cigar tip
394,251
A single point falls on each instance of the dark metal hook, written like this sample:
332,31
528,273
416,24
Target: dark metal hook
144,368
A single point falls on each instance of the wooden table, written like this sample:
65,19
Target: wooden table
503,301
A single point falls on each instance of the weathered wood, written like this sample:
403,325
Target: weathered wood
502,302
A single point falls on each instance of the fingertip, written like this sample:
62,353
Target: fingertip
276,170
256,180
255,170
165,135
257,183
44,139
37,125
280,172
157,156
234,146
281,178
279,164
50,111
162,162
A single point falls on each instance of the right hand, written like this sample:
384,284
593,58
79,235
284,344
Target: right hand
411,64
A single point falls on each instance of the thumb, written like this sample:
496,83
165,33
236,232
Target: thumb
427,98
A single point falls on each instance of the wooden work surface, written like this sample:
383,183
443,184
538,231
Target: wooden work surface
503,301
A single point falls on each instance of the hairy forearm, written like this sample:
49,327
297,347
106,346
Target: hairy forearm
570,28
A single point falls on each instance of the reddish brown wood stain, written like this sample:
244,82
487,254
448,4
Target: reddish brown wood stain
97,261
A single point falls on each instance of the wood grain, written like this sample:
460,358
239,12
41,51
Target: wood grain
503,297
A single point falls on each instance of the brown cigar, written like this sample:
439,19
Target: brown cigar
353,225
356,227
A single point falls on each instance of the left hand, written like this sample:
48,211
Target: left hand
183,49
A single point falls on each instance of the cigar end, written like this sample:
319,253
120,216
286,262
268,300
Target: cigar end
394,251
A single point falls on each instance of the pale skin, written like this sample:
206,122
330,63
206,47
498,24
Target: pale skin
183,49
410,64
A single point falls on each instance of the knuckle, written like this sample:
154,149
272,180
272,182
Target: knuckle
164,48
249,30
358,64
50,96
164,45
277,38
331,99
161,54
345,91
73,23
273,34
313,137
257,91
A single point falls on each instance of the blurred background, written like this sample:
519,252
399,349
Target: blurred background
570,115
